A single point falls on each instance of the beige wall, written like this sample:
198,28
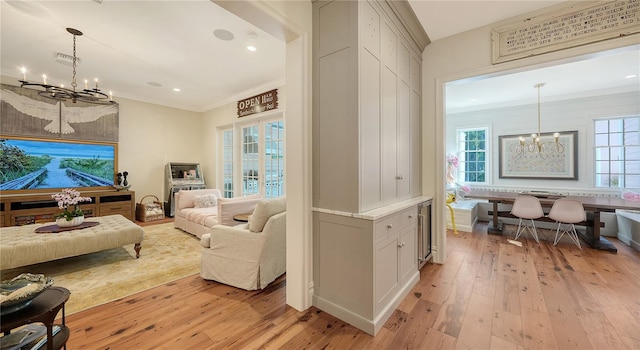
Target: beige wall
211,120
467,55
149,137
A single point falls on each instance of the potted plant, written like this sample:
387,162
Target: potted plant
67,199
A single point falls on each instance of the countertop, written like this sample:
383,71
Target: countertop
378,213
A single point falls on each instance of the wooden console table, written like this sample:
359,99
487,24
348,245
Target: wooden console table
592,205
22,209
44,308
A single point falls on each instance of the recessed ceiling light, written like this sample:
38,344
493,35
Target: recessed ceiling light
473,100
176,89
251,46
154,84
223,34
631,76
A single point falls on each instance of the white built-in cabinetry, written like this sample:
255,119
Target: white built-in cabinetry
395,254
366,157
365,264
367,92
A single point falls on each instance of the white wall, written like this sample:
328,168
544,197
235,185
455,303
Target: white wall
466,55
567,115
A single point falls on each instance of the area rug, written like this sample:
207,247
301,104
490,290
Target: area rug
167,254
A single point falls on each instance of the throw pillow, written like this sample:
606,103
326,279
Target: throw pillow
206,201
264,210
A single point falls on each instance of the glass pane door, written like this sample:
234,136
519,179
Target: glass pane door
274,159
250,161
227,163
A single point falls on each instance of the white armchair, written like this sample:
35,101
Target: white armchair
248,256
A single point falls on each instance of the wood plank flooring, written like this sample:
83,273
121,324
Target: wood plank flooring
488,295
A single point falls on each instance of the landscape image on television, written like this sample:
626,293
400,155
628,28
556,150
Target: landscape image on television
27,164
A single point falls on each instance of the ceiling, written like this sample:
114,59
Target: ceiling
141,50
134,46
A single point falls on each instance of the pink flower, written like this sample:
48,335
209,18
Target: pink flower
631,196
69,197
452,160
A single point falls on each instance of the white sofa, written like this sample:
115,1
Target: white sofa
197,220
248,256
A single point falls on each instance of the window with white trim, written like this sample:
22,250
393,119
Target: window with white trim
617,152
472,155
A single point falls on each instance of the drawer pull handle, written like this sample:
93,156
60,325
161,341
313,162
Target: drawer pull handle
401,244
389,226
410,216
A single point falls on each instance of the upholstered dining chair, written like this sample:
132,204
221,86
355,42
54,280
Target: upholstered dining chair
527,208
567,213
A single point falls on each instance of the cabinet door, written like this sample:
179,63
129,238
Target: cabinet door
389,135
386,270
403,171
408,256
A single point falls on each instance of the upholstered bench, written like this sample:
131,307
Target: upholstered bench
21,245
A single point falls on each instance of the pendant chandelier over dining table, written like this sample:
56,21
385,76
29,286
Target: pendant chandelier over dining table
536,144
88,95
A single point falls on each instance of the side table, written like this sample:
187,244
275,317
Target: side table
44,308
244,217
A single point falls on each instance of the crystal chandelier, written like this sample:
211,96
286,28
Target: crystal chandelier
87,95
536,144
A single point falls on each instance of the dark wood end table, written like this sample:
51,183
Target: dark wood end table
44,308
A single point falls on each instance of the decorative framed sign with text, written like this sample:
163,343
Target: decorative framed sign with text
577,23
266,101
550,160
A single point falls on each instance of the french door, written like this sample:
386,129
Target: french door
259,159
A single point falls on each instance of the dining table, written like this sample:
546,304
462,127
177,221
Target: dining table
593,206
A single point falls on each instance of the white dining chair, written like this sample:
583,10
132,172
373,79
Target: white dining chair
527,208
567,213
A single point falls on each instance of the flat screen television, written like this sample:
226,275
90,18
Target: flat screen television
49,165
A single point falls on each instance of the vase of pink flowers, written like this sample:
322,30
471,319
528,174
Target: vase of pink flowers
452,162
68,201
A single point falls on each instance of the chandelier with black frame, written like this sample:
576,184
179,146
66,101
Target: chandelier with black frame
536,144
95,95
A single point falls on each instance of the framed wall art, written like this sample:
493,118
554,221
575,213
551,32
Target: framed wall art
34,165
520,158
25,113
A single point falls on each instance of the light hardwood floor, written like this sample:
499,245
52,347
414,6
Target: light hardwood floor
488,295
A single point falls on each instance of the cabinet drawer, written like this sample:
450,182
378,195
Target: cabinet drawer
116,208
408,217
387,226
